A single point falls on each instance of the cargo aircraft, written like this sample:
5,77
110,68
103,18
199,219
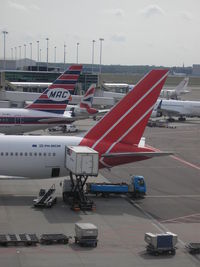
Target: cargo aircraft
49,109
116,137
177,108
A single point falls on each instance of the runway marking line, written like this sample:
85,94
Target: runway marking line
178,159
186,162
187,217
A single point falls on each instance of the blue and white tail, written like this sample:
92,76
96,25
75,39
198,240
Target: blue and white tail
56,97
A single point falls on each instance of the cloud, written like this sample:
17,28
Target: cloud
118,38
186,16
17,6
118,12
34,7
151,11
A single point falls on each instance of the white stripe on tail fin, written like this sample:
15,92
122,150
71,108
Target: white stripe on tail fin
56,97
121,129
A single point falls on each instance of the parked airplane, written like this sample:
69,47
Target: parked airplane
116,137
175,93
84,108
181,88
47,110
180,108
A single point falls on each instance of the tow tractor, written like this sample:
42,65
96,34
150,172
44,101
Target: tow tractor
82,162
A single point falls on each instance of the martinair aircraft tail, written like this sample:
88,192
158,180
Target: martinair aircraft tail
87,100
56,97
182,86
117,135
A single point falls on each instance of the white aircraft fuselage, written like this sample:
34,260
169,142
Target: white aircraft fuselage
35,156
16,121
181,108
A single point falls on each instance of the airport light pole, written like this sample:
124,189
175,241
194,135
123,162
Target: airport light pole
20,55
64,54
77,45
15,53
12,53
101,40
40,54
93,42
31,55
47,39
25,54
54,54
4,56
38,51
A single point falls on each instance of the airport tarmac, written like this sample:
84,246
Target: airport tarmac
171,204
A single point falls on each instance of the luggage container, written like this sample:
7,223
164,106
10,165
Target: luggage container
161,243
82,160
86,234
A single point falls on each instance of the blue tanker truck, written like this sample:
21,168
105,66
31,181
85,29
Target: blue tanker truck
136,188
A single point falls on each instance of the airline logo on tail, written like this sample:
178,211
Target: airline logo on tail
58,94
56,97
87,100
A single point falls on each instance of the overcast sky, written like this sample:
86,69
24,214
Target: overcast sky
145,32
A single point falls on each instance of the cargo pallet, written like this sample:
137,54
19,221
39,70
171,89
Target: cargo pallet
86,242
49,239
158,251
20,239
193,248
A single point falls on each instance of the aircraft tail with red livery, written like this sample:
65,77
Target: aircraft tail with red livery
117,135
56,97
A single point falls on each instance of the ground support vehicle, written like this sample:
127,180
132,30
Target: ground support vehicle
136,188
193,248
74,195
49,239
46,198
86,234
82,162
161,243
18,239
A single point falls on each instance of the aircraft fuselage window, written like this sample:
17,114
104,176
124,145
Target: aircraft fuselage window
53,154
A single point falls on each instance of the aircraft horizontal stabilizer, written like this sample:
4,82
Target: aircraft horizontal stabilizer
137,154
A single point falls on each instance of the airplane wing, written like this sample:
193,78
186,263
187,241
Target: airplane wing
137,154
102,111
167,112
57,120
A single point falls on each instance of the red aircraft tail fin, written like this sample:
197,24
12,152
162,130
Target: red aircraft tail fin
126,121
